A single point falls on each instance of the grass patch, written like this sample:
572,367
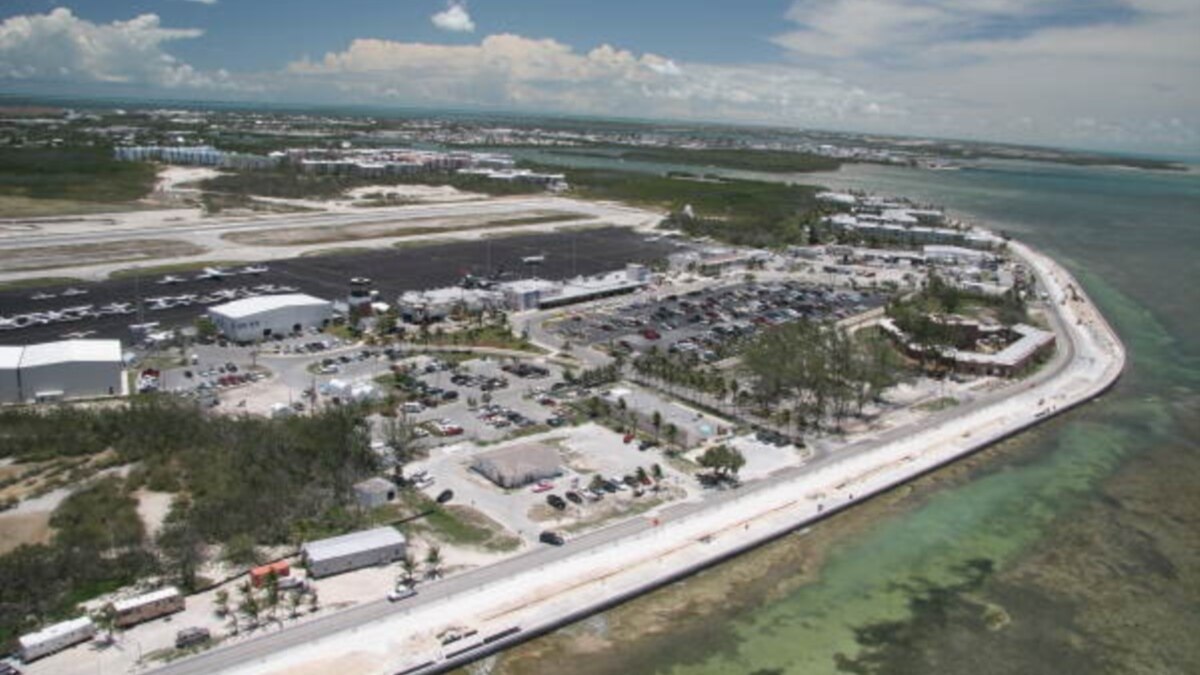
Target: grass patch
155,270
288,183
69,255
348,250
942,403
298,236
38,282
457,525
493,336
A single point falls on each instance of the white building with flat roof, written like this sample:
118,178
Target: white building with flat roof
270,315
348,552
52,371
10,380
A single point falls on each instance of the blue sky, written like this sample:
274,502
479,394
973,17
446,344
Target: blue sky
1109,74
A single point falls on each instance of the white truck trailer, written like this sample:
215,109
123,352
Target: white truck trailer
54,638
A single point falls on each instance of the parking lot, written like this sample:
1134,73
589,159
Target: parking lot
700,321
586,451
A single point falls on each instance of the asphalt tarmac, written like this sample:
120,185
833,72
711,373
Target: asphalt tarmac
393,271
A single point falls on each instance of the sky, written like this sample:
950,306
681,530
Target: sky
1120,75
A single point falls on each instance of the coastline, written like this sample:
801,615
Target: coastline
643,556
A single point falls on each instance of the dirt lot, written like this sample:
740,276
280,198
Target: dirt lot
23,528
48,257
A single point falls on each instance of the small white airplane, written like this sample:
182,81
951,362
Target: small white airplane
171,279
534,259
42,296
117,308
8,324
159,303
70,292
253,269
213,273
78,335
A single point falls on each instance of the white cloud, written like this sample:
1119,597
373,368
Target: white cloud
61,46
518,72
454,18
1022,69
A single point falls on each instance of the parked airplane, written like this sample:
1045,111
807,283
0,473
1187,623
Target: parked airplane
213,273
70,292
253,269
534,259
42,296
171,279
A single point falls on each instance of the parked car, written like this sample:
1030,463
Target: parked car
574,497
552,538
557,502
542,486
189,637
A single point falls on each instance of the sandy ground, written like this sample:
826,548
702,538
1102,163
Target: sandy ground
23,528
419,193
153,508
171,178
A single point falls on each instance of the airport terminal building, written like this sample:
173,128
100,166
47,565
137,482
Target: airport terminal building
67,369
270,315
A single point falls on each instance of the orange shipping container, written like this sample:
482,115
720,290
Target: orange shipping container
258,575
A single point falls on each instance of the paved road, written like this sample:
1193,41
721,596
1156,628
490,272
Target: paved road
247,652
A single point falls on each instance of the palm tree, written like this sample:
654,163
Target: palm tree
294,601
672,433
433,561
221,600
657,420
272,594
106,620
408,567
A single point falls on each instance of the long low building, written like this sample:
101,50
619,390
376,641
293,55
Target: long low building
1027,343
352,551
267,316
53,371
528,294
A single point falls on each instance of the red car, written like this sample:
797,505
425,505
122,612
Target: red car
543,486
629,438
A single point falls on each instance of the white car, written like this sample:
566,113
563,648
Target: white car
401,592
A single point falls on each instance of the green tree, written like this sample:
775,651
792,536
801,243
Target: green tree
433,561
221,602
206,329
